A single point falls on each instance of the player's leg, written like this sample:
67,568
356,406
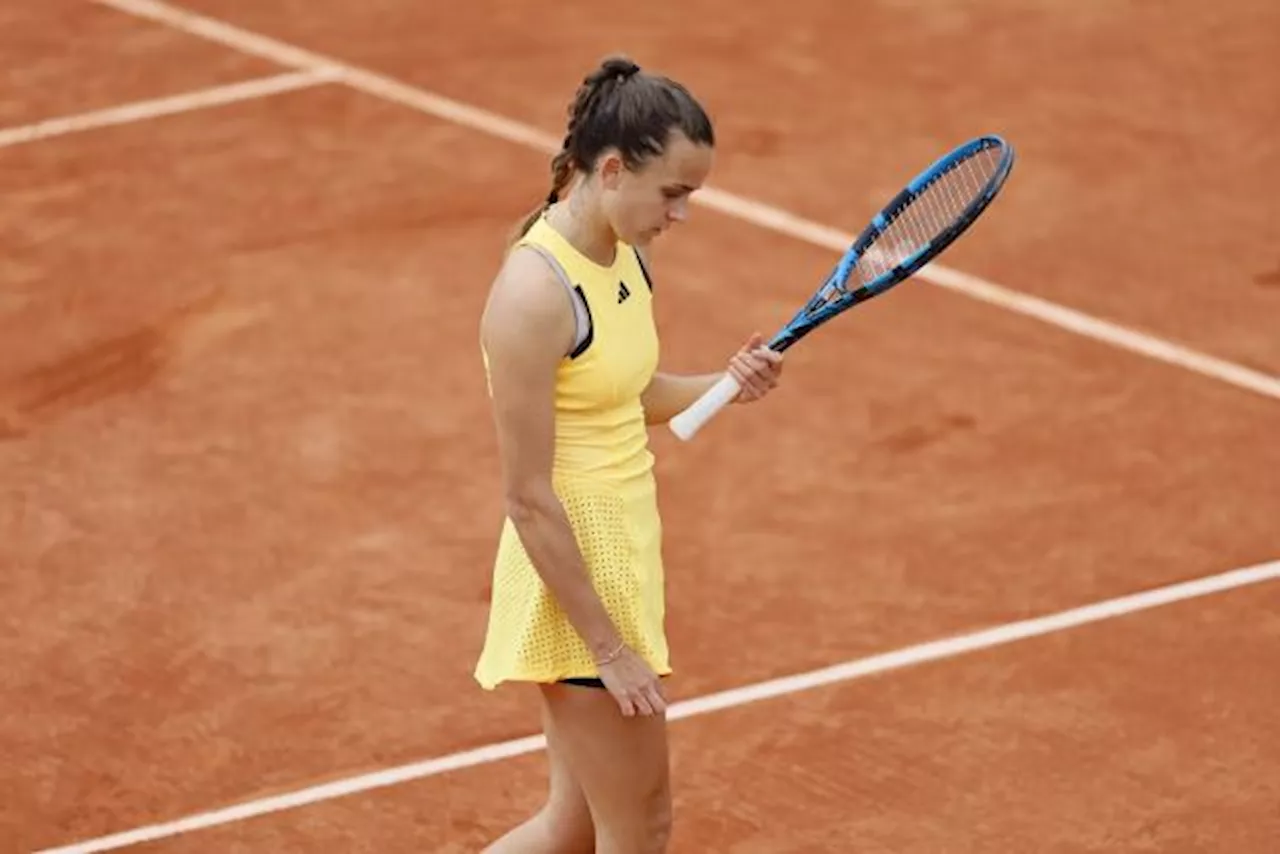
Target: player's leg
563,825
620,763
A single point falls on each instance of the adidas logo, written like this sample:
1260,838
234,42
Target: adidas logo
623,292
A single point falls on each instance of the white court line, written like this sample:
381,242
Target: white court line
734,697
780,222
743,209
167,106
747,210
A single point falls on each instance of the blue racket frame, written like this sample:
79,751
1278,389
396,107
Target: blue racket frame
822,307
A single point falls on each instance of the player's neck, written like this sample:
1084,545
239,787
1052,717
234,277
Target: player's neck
585,227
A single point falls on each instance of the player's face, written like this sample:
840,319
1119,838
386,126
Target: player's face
643,204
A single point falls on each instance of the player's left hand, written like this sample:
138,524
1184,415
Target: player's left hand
756,368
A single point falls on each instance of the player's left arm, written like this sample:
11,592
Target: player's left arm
756,368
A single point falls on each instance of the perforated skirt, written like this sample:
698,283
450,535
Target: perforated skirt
618,529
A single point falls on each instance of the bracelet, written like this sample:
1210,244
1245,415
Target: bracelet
613,656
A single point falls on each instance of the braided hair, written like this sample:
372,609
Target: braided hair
619,106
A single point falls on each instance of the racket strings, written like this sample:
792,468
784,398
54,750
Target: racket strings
934,209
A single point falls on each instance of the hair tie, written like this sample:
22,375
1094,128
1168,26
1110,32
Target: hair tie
615,68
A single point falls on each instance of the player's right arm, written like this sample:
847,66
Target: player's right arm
526,328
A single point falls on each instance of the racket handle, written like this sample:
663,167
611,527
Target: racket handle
704,408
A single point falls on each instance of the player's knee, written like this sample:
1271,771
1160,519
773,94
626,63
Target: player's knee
657,821
660,829
570,831
644,827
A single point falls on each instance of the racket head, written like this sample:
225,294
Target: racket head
914,227
927,216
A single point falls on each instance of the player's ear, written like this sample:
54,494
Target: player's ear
610,168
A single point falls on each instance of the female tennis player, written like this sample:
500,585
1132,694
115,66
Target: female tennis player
571,354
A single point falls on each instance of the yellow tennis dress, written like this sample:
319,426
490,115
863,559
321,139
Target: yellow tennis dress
603,475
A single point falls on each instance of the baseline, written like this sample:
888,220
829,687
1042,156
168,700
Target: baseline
857,669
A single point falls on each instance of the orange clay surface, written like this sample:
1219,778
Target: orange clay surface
249,495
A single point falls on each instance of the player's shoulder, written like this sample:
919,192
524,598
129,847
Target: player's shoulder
528,291
527,273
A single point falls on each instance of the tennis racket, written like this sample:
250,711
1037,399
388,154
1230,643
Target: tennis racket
913,228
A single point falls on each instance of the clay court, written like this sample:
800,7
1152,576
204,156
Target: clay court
996,570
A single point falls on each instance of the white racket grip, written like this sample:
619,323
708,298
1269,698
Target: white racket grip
704,408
